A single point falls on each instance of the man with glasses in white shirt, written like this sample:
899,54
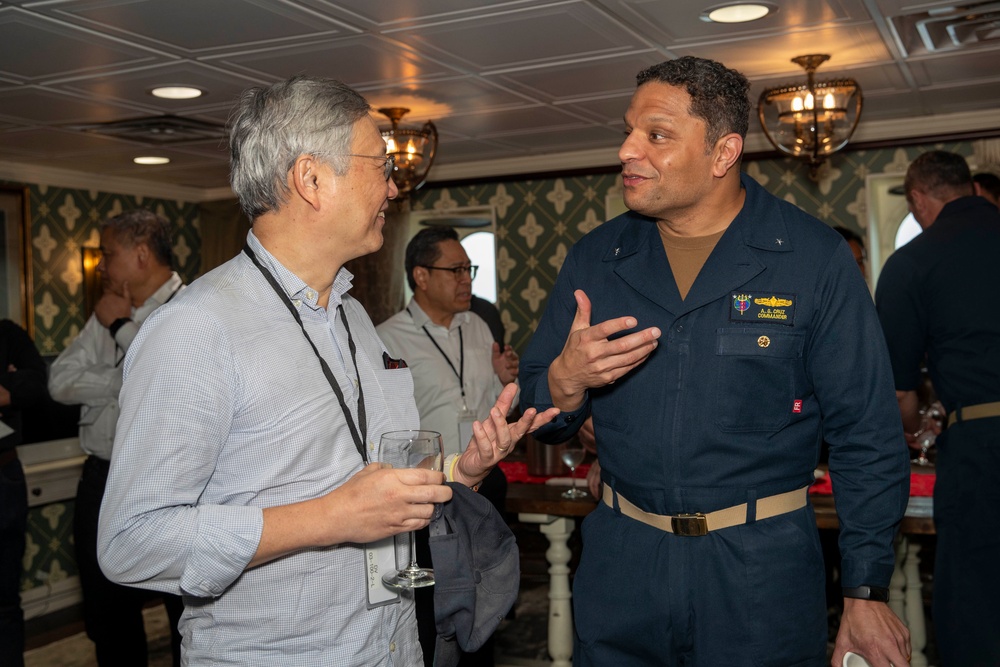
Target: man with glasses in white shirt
458,369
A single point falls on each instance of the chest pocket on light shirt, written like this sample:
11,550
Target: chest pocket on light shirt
759,374
397,391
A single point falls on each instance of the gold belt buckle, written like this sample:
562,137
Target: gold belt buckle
689,525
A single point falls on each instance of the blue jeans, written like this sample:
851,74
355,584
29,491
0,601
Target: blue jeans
13,523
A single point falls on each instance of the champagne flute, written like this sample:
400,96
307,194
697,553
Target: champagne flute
411,449
572,455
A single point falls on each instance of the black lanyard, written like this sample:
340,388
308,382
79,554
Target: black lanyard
118,348
460,373
359,438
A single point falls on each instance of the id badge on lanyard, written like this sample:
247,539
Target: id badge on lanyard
380,558
465,433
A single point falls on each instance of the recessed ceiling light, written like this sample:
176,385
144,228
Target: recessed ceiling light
177,92
737,13
151,159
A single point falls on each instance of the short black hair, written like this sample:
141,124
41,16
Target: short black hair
940,173
422,250
143,226
989,182
719,95
850,235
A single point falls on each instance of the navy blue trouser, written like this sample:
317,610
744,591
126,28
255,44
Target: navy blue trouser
13,522
966,611
749,595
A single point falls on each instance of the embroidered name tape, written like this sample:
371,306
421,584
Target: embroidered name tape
770,307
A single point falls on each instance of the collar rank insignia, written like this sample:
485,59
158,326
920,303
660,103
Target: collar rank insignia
774,308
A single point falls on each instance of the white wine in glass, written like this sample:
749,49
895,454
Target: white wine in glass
411,449
572,455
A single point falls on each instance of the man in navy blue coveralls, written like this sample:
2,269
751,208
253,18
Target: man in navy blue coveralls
930,300
731,334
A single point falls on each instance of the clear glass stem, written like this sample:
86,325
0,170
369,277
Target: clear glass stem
413,560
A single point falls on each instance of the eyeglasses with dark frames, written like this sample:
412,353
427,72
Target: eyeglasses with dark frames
390,161
457,271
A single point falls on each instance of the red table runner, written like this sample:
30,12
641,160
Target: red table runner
921,484
517,472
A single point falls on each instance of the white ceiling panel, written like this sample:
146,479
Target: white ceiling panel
201,25
579,79
66,50
32,105
358,61
505,41
501,80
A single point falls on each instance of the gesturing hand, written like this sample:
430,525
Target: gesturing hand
493,438
589,359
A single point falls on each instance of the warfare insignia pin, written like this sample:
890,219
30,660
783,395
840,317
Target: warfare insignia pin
741,302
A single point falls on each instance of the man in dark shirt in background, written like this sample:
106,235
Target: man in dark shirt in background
22,385
934,300
987,186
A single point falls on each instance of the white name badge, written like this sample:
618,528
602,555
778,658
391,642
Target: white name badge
380,559
465,433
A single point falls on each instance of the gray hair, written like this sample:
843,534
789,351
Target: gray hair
142,226
271,127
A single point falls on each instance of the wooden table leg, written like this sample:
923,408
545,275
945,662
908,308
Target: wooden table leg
558,531
915,604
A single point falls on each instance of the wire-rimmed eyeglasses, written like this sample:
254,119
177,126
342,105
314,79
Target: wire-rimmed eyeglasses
457,271
390,161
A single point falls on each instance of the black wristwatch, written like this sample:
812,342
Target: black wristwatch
118,324
867,593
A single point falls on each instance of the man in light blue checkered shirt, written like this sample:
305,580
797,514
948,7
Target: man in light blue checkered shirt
252,406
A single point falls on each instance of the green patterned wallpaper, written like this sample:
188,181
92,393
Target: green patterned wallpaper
538,220
62,221
49,552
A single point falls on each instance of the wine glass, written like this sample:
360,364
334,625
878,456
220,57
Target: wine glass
411,449
572,455
926,436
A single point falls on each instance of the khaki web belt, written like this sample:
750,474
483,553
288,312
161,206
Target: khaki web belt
974,412
702,524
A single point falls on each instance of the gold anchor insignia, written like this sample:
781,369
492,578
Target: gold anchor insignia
763,341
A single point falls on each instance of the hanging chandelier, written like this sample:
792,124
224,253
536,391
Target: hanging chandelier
813,120
412,148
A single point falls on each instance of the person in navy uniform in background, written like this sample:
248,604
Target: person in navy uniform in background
932,299
716,334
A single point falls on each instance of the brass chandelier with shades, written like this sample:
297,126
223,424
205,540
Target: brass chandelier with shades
412,148
813,120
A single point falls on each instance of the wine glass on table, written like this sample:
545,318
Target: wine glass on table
926,437
411,449
572,455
